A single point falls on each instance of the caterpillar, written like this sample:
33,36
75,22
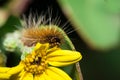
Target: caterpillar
37,30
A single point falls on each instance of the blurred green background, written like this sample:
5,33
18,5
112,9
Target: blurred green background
96,36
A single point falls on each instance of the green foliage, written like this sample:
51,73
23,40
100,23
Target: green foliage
10,26
97,21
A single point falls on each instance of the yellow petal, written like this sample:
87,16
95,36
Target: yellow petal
41,46
61,63
27,76
63,57
4,69
8,72
53,49
37,46
37,77
22,73
4,76
16,69
43,76
56,74
3,73
47,77
40,77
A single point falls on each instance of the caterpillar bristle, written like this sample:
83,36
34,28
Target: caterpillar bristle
42,29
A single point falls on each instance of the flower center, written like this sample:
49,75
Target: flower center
35,63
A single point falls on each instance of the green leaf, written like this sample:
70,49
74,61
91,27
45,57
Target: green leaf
73,70
13,58
113,5
97,21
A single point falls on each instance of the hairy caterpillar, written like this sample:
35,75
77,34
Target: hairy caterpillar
37,30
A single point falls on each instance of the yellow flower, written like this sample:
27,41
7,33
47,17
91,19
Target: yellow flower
41,64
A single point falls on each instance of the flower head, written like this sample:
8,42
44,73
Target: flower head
11,41
41,64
